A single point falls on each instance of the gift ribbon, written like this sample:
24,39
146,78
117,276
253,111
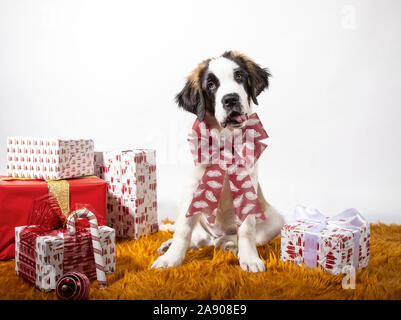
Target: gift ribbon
61,190
233,155
349,219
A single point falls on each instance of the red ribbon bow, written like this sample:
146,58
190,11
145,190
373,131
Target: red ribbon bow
46,214
233,154
46,218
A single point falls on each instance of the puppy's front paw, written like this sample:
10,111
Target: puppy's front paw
167,260
254,264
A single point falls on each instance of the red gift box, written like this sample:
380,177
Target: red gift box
16,198
46,249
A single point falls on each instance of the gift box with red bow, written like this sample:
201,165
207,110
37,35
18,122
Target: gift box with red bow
49,159
131,197
17,196
45,250
334,244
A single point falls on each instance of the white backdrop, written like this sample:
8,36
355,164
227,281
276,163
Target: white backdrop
109,70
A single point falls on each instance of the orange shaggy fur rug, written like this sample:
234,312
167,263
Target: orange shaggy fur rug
209,273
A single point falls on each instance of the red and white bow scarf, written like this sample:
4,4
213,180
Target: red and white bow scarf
233,154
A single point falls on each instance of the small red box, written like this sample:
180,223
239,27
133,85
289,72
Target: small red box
16,197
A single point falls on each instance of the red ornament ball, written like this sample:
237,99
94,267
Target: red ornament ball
73,286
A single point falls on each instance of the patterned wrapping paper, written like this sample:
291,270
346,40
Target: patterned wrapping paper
131,197
227,157
49,159
335,245
42,257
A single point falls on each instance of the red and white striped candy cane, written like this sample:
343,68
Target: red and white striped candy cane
97,248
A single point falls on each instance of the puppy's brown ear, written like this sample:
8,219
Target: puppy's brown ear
191,99
258,77
191,96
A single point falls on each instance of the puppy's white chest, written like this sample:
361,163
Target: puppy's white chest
225,217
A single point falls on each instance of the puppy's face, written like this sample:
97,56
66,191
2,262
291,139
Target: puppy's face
224,87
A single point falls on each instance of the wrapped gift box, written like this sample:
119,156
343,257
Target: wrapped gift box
16,198
131,197
42,257
49,159
332,248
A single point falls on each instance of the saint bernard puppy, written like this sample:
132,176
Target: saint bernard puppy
221,92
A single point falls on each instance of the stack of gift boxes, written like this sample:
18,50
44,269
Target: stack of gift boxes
48,179
119,187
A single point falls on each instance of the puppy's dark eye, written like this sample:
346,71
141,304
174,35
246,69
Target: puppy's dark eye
238,76
211,85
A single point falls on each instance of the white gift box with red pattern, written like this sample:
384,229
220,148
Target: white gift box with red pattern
131,198
49,159
41,258
334,245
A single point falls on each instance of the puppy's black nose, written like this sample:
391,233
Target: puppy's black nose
230,100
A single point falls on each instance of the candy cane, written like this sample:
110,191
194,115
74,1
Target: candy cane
97,248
